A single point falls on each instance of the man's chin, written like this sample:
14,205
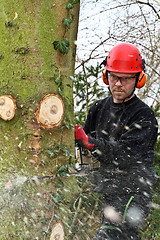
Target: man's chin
118,98
119,95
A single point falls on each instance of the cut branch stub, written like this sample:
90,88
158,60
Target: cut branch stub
58,232
7,107
50,111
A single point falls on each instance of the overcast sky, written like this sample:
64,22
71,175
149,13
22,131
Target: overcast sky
93,23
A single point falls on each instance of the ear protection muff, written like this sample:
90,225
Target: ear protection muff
142,76
105,77
141,80
140,83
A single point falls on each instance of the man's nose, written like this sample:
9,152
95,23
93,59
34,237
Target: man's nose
118,82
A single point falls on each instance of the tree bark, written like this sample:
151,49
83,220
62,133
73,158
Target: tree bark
30,70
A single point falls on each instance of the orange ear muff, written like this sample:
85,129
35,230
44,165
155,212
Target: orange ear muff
105,77
141,80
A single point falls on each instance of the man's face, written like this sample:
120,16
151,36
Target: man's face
121,85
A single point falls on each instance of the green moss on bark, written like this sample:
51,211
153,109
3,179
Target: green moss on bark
28,68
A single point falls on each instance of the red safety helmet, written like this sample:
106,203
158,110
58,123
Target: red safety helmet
125,58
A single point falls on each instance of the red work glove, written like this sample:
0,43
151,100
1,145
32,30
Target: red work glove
82,137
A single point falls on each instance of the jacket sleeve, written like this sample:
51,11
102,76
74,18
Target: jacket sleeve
135,145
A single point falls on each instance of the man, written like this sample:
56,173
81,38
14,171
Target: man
121,131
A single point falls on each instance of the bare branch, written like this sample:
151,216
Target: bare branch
150,5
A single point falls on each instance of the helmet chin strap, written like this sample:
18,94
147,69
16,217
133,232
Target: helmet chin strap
129,96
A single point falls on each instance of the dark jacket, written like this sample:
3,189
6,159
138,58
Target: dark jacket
124,135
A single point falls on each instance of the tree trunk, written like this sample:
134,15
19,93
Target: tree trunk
36,139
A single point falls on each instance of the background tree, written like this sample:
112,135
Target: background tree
87,90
